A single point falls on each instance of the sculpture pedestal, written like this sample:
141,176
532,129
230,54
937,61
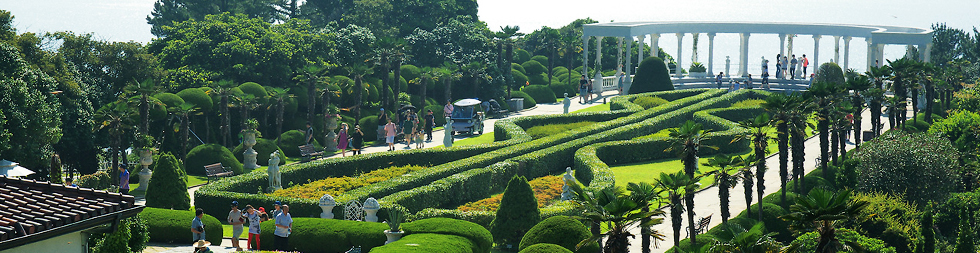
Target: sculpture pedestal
331,142
393,236
251,159
146,159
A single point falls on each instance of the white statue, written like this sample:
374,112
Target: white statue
568,179
275,179
728,66
566,103
447,141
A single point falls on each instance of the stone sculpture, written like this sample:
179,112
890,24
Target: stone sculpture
275,180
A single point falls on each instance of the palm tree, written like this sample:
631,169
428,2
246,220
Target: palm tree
822,94
507,34
798,126
821,210
905,74
396,60
183,111
245,103
859,84
753,240
759,134
311,76
726,178
115,119
676,185
279,97
476,72
893,105
687,141
781,107
428,74
223,90
358,72
618,210
447,73
875,97
928,70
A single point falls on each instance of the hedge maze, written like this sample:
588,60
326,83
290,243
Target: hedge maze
459,175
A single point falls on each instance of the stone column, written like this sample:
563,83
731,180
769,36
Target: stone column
782,44
627,81
711,54
789,47
927,55
585,55
837,49
880,54
639,55
847,51
677,58
598,58
816,53
743,57
872,49
619,54
655,44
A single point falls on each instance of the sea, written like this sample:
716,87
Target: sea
125,20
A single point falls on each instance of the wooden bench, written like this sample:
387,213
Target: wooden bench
216,170
701,226
308,152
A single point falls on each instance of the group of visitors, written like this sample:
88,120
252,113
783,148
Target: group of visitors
410,127
585,90
791,63
237,218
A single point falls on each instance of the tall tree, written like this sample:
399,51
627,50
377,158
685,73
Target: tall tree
278,97
224,90
759,135
184,111
875,97
781,106
859,84
687,140
358,72
676,185
822,94
620,212
727,177
311,76
799,124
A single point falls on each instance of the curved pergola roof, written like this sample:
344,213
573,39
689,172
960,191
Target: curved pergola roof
879,34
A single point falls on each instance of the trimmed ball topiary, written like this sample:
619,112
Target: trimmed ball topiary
539,79
292,139
651,76
517,67
173,226
540,93
528,100
541,59
369,126
263,147
410,72
559,230
533,68
829,72
168,189
519,78
327,235
169,99
518,212
548,248
649,102
477,234
521,55
208,154
256,90
197,97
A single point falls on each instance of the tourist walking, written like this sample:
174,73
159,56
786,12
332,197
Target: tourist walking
284,227
765,74
792,67
779,59
309,133
357,140
806,62
718,79
590,91
430,121
408,129
382,121
197,226
748,82
447,111
582,89
783,64
343,140
254,218
237,222
123,179
390,135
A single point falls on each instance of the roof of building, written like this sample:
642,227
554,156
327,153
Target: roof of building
32,211
880,34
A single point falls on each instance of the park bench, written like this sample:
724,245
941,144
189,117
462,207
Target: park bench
701,226
216,170
308,152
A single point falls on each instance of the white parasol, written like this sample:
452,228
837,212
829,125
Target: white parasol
467,102
11,169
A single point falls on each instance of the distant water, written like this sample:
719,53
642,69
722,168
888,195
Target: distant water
124,20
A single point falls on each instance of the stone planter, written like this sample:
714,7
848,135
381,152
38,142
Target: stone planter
331,142
327,204
393,236
146,159
371,207
250,155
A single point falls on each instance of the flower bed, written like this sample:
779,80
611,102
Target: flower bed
546,189
338,185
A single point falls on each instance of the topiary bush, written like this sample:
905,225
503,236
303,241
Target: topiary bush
169,99
649,102
528,100
538,132
547,248
519,78
521,55
327,235
197,97
559,230
263,147
476,234
540,59
651,76
429,243
208,154
173,226
292,139
539,79
829,72
560,89
168,189
516,67
532,68
369,126
540,93
890,219
921,166
518,212
254,89
98,180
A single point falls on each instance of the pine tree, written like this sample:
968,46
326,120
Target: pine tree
518,212
964,242
168,185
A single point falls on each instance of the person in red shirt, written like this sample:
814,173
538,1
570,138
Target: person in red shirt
806,62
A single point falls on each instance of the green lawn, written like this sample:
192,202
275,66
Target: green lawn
595,108
482,139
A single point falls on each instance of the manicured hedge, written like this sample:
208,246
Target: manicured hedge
561,230
477,234
441,235
208,154
541,94
528,99
291,140
546,248
174,226
424,243
312,235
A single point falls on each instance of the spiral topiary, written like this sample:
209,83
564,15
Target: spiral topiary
651,76
168,189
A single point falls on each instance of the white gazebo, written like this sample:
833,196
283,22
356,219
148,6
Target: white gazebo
876,36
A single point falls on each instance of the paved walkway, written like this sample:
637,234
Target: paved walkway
706,202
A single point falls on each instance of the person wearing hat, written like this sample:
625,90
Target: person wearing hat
382,121
357,140
197,226
278,209
430,121
123,179
201,246
236,220
254,230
